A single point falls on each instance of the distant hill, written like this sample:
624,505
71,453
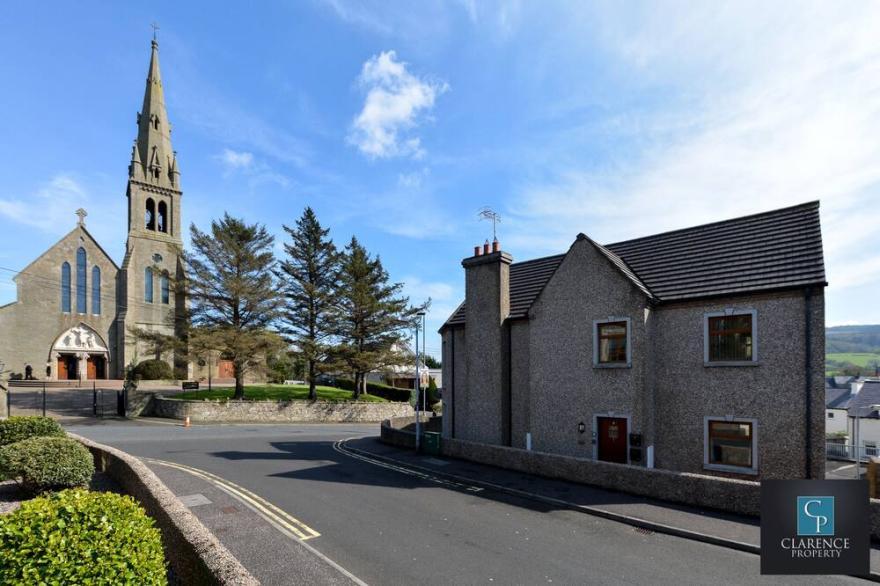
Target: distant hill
841,339
852,350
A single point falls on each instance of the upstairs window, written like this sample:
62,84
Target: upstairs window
611,344
81,289
65,287
148,285
731,337
164,290
96,290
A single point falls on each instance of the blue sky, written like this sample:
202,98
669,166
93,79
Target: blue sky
398,121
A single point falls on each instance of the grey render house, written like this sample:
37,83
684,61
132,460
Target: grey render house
698,350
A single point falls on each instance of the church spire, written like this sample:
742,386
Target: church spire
154,132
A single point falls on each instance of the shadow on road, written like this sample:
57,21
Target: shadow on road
335,467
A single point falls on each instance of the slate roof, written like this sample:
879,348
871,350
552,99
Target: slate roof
836,398
780,249
526,281
869,395
777,249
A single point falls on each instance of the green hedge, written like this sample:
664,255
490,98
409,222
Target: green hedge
47,463
153,370
81,537
379,390
19,428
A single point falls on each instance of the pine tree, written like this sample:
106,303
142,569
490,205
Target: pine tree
232,293
372,315
310,281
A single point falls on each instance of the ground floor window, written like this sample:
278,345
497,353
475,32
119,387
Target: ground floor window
730,444
871,449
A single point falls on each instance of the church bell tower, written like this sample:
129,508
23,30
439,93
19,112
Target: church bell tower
152,264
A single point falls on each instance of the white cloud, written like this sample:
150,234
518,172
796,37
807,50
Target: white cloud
412,180
761,109
396,103
51,208
234,160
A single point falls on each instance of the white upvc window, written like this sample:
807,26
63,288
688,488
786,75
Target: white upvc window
730,337
730,444
612,343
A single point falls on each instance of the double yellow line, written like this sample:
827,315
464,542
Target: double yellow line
277,517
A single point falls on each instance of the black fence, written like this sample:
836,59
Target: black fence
64,401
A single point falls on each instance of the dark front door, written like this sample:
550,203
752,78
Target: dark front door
612,439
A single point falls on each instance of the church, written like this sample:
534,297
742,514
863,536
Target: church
75,307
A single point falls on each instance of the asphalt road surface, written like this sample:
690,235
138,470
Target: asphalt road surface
387,527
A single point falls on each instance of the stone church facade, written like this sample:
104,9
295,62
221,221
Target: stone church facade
75,307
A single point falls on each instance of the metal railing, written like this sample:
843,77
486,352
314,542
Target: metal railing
838,451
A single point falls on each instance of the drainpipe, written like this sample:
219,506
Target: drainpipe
509,413
808,377
451,385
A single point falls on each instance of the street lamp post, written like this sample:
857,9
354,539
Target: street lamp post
418,381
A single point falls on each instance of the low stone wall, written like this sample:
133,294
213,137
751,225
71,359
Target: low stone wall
277,411
725,494
399,431
194,554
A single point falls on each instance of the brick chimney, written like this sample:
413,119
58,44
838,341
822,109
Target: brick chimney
487,301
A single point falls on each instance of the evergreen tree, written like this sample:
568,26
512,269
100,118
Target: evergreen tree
372,315
232,292
310,281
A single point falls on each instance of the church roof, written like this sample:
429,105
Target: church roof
80,227
779,249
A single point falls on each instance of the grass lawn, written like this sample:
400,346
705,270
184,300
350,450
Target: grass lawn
277,393
858,358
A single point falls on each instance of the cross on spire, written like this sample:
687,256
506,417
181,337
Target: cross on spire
155,26
81,214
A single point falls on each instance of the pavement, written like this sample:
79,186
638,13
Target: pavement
329,504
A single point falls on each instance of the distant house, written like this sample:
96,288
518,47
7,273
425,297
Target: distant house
836,403
403,377
698,350
843,406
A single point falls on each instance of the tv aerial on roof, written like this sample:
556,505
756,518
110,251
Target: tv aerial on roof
487,213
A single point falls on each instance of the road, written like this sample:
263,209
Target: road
388,527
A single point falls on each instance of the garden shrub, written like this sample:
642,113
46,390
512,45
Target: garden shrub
47,463
17,428
378,390
153,370
81,537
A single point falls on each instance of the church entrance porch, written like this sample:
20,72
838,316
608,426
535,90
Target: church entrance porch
80,354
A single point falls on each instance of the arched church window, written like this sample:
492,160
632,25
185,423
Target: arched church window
96,290
150,214
65,287
148,285
164,289
163,217
81,299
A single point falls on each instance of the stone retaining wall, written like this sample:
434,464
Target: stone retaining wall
277,411
192,551
725,494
